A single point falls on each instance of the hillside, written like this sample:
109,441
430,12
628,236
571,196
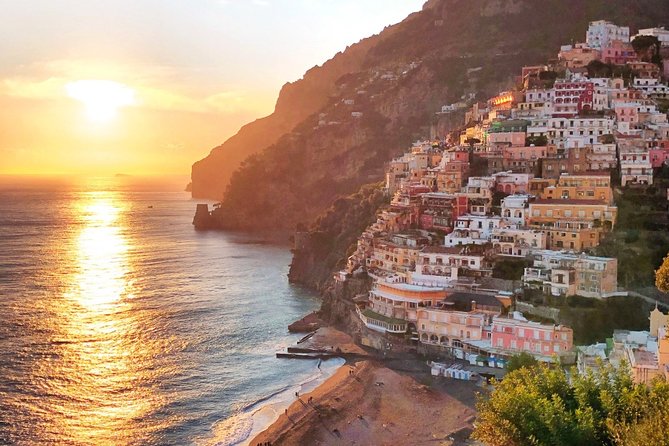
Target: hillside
393,83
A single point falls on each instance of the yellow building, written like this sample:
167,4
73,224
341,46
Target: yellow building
548,212
572,234
592,186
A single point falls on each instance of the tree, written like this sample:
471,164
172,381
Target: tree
543,406
524,359
662,276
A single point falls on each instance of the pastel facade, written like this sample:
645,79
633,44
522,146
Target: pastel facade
548,212
450,328
513,183
571,97
619,53
514,209
566,133
392,306
591,186
473,229
578,55
518,335
635,168
573,235
602,32
568,274
514,242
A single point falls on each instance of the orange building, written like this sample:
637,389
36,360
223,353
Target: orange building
548,212
588,186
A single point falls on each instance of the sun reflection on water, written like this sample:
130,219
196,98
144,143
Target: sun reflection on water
105,359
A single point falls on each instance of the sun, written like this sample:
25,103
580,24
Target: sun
102,98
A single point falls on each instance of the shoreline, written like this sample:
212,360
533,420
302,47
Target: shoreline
366,401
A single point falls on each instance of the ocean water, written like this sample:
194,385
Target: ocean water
122,325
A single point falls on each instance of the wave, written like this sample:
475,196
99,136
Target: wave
246,423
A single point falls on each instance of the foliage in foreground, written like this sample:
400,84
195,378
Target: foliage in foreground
542,406
521,360
662,276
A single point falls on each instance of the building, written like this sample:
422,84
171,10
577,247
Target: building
567,133
441,266
578,55
393,306
567,274
548,212
619,53
573,235
635,168
473,229
602,32
514,242
517,334
440,210
514,208
586,186
661,34
571,97
512,183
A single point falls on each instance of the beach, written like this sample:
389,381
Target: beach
367,402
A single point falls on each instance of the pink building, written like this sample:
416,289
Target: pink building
513,183
619,53
627,112
520,335
457,156
503,139
658,157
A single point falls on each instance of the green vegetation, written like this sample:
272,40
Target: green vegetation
521,360
510,269
640,239
333,236
597,68
648,49
538,141
593,320
541,406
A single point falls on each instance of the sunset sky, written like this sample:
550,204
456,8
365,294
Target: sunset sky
100,87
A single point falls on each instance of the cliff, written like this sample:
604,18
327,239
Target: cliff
335,129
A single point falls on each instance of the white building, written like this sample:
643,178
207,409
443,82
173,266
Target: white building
578,132
514,242
602,33
602,157
473,230
566,274
661,34
515,208
635,168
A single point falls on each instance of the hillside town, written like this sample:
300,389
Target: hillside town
528,183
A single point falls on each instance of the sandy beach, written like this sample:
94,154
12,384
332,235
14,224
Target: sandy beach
367,403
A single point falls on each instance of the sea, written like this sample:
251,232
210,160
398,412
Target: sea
122,325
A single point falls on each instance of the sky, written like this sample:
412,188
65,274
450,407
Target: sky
150,86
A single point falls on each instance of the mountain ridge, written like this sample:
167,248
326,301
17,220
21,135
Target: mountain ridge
392,85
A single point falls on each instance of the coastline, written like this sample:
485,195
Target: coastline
249,421
367,402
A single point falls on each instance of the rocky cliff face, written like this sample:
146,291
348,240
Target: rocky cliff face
335,129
